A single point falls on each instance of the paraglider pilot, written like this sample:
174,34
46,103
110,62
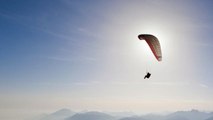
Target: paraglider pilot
147,75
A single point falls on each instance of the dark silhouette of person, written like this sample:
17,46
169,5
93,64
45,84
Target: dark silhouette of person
147,75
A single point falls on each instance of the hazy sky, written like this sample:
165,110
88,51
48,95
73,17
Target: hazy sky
85,55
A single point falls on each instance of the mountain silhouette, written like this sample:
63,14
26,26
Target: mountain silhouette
91,116
58,115
189,115
66,114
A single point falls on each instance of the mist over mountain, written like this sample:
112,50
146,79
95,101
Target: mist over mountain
66,114
133,118
120,114
176,118
153,117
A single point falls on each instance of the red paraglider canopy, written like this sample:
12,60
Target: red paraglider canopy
153,43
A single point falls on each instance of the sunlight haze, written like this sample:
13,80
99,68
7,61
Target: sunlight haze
86,55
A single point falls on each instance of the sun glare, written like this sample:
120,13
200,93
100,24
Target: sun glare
160,32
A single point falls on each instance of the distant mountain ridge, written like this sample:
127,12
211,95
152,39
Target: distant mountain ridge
190,115
63,112
66,114
58,115
91,116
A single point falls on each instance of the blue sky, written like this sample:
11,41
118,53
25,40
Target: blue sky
86,55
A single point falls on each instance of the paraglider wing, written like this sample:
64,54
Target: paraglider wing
153,43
